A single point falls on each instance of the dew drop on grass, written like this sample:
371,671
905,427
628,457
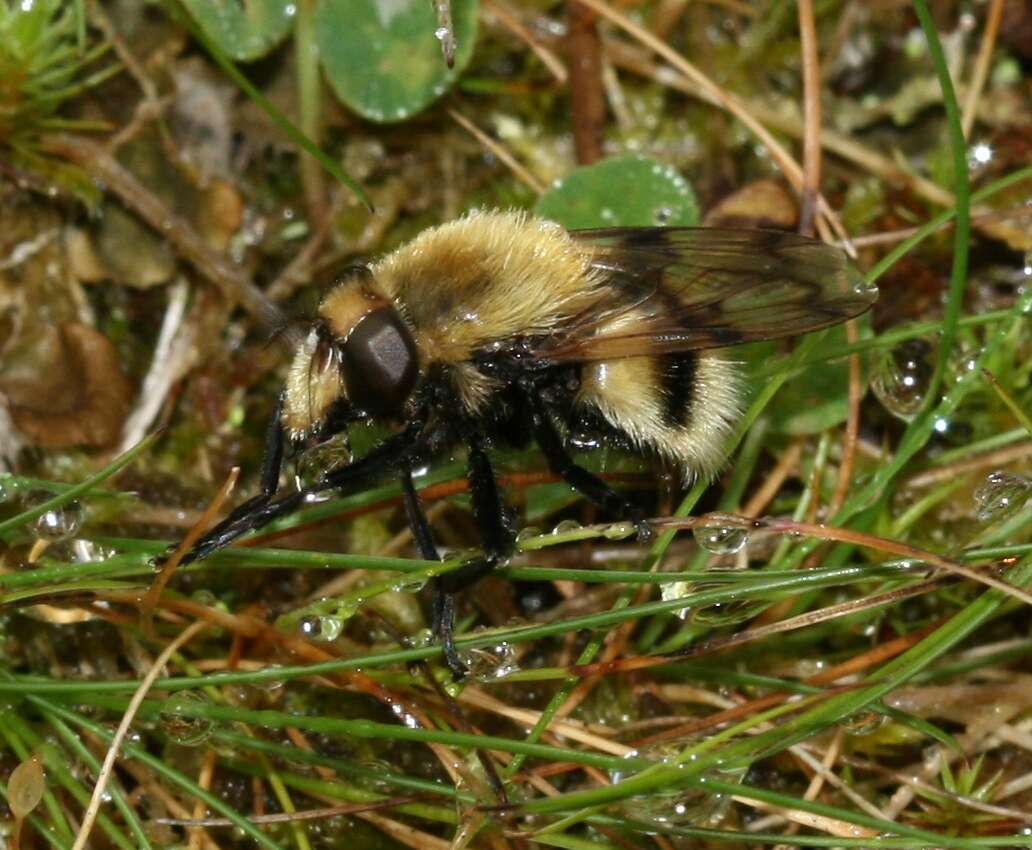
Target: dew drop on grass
528,533
863,723
1001,495
330,628
490,663
58,523
662,215
863,287
720,539
695,806
7,488
178,720
25,787
314,463
410,583
566,526
619,530
901,378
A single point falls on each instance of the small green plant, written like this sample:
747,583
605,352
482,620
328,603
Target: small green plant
947,810
42,65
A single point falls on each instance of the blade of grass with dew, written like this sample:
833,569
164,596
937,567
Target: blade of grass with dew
156,764
74,492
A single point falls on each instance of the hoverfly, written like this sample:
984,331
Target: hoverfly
500,327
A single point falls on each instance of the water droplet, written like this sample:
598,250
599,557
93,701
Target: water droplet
179,721
863,723
58,523
619,530
203,596
720,539
979,155
698,807
441,33
410,583
1001,495
86,551
727,613
319,460
901,377
863,287
8,488
330,628
567,526
1026,266
662,215
25,786
321,627
490,663
527,533
677,590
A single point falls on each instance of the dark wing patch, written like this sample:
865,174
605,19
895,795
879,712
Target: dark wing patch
682,289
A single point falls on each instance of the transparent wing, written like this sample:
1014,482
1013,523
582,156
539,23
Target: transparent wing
676,289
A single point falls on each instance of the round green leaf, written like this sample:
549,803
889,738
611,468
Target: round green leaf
244,29
383,59
629,190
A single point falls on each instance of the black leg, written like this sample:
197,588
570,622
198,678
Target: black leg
442,615
497,539
585,482
488,507
417,519
261,510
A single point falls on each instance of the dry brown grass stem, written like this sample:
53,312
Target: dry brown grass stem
699,85
204,778
631,58
811,117
150,599
500,151
852,431
106,769
510,20
1000,457
587,95
871,541
980,72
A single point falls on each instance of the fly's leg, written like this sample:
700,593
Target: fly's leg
585,482
497,540
442,621
272,463
262,510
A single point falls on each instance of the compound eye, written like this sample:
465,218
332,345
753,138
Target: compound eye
380,363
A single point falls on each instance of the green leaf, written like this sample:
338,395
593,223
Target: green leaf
629,190
383,59
818,397
244,29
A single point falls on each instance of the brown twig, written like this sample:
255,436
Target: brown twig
587,94
499,151
852,433
982,63
812,118
510,20
123,729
